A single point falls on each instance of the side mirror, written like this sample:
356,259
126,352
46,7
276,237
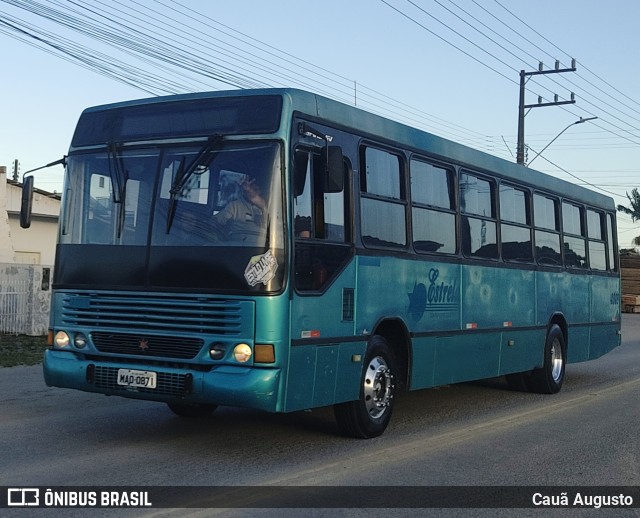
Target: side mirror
27,202
333,166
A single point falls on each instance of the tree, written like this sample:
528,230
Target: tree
634,200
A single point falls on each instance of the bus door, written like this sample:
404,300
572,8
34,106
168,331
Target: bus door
323,280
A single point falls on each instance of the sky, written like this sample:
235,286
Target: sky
450,67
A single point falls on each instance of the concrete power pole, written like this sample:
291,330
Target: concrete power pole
522,106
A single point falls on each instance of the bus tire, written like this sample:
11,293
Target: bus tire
549,378
191,410
369,415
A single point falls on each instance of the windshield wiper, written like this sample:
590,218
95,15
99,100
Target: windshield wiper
204,159
119,177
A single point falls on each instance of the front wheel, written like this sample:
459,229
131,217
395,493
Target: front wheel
369,415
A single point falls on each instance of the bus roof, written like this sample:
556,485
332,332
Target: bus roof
393,133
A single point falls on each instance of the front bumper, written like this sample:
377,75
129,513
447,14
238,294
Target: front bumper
227,385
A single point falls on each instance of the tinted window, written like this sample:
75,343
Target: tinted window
594,225
382,209
572,220
548,248
476,196
479,238
434,231
381,173
516,243
431,185
513,205
545,213
478,234
610,243
433,199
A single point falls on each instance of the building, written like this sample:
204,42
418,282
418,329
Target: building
26,259
37,244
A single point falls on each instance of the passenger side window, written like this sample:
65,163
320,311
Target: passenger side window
516,234
478,225
547,230
597,247
611,245
575,250
382,205
433,208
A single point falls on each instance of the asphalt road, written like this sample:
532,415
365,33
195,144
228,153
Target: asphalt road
461,435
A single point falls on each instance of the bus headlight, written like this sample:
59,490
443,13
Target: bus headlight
61,340
242,353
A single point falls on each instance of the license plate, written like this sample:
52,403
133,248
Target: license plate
134,378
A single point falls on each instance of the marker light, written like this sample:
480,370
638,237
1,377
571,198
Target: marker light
217,351
62,339
242,353
264,353
79,340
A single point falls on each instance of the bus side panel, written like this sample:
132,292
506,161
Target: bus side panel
467,357
605,311
521,350
563,293
497,297
578,346
300,378
423,363
319,324
323,375
603,339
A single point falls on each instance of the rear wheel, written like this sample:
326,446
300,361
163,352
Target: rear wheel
549,378
369,415
195,410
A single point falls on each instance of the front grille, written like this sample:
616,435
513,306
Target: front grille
173,314
147,345
168,384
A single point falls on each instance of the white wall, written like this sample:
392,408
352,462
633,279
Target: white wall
34,245
7,254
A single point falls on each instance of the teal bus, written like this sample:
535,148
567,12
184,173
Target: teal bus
278,250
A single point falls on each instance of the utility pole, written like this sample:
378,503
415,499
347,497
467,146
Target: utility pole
16,175
522,106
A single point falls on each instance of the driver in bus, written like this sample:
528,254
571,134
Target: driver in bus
245,215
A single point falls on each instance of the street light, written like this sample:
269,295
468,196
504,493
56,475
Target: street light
556,137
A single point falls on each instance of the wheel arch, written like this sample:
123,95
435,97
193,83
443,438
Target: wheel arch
560,320
397,335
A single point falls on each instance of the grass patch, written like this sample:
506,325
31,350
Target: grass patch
21,350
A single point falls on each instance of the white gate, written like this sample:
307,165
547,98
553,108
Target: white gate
25,297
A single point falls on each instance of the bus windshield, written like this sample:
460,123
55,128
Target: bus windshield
181,203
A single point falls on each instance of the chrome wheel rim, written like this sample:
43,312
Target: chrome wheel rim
378,387
557,360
